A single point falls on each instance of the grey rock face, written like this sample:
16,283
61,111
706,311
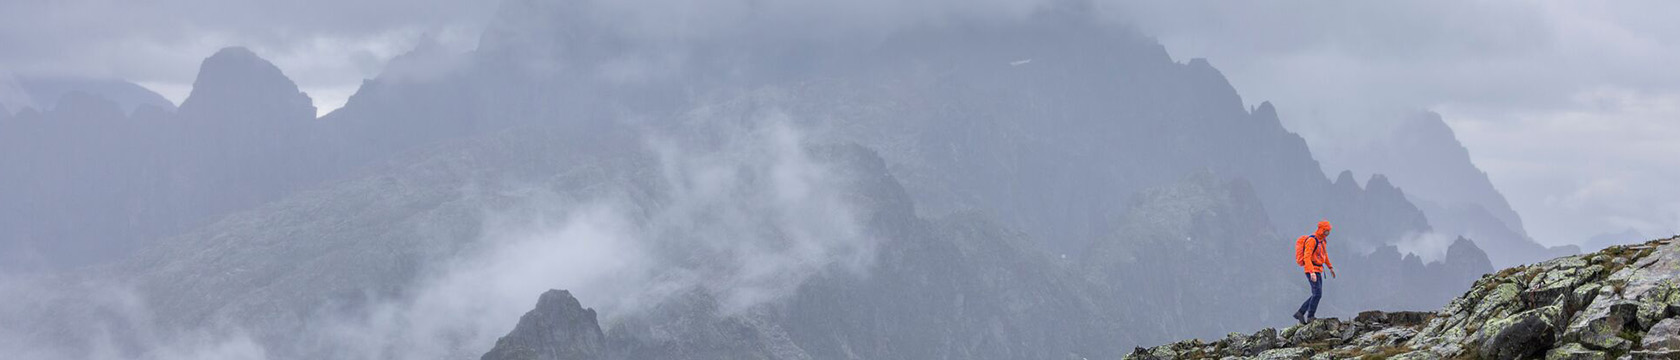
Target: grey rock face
1601,325
559,328
1295,353
1573,351
1265,339
235,81
1652,355
1665,335
1523,335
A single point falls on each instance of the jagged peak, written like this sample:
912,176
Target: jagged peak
1465,253
235,78
560,299
1265,111
1379,182
1345,180
558,328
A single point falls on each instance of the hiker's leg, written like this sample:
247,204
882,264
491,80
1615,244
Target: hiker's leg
1305,305
1317,293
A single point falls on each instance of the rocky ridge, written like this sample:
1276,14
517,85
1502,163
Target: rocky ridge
1619,303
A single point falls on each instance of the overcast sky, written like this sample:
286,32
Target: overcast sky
1573,108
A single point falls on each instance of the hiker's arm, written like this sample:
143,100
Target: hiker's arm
1325,249
1328,265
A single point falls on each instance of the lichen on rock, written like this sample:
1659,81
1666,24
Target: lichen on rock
1620,303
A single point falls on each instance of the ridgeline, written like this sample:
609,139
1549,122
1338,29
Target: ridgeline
1619,303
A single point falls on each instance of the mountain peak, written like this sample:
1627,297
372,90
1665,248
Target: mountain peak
241,83
1345,180
559,328
1379,181
1265,111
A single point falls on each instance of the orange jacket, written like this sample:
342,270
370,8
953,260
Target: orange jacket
1310,252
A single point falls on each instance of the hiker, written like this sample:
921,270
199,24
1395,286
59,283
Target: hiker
1313,258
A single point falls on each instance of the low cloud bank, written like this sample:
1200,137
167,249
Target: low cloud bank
745,217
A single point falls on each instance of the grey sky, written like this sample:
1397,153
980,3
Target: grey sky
1571,107
328,47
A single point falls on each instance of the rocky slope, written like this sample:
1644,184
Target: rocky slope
1619,303
559,328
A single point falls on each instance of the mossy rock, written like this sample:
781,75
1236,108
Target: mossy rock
1573,351
1519,336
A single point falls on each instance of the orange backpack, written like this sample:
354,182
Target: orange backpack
1303,254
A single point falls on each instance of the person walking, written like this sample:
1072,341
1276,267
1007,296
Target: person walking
1310,253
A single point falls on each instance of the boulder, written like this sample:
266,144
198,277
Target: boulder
1665,335
1319,330
1265,339
1573,351
1583,296
1650,313
1653,355
1294,353
1495,304
1387,337
1523,335
1397,318
1555,283
1600,326
1141,354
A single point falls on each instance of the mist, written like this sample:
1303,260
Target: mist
998,179
746,217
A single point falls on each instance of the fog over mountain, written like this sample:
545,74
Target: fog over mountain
1422,153
767,180
1535,91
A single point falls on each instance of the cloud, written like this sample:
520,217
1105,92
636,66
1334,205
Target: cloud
1601,166
745,216
746,219
1428,246
113,321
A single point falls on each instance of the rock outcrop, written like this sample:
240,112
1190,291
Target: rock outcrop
1619,303
559,328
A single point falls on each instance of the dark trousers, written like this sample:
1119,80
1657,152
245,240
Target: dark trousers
1310,307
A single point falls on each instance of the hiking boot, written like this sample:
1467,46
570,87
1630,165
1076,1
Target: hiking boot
1298,317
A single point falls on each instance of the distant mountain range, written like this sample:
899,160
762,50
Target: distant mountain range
1421,152
43,93
937,198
